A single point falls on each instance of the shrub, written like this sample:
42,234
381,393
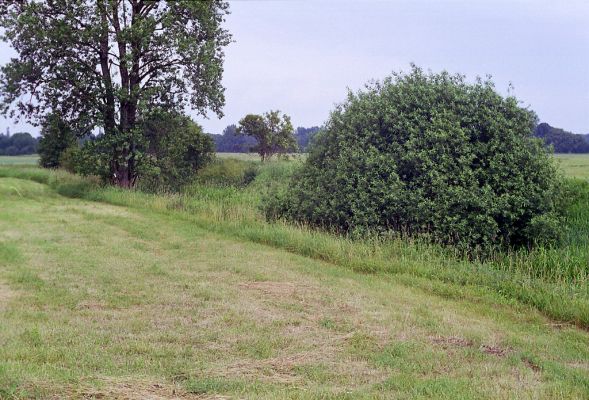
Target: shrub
176,149
169,149
68,159
56,138
429,154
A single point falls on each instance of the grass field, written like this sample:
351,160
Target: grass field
575,165
19,160
194,296
99,300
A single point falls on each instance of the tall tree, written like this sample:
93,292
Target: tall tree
102,63
273,132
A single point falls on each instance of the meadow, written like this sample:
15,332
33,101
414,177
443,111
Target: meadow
118,294
574,165
19,160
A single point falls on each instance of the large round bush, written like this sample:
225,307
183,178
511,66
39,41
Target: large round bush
428,154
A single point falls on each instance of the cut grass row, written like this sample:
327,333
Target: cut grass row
101,301
526,278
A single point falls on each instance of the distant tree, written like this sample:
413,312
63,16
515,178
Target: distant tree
305,135
273,132
21,143
105,63
231,142
56,137
561,140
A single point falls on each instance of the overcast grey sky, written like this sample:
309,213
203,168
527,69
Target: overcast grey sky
301,56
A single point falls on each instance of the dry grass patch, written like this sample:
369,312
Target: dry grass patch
6,294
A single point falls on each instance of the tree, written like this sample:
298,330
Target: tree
18,144
274,133
56,137
103,63
429,155
561,140
231,142
305,136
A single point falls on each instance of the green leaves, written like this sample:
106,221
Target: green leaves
273,132
105,64
429,154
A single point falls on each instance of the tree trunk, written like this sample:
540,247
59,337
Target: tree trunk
125,172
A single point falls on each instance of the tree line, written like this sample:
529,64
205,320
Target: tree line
561,140
19,144
230,141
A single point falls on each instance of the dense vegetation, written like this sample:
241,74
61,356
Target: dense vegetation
173,149
21,143
107,65
56,138
429,154
561,140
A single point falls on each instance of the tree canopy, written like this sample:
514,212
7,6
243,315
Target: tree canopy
429,155
273,132
104,63
21,143
231,142
561,140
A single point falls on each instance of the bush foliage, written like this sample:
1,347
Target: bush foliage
171,149
428,154
56,138
176,149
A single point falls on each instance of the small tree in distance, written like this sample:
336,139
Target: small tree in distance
273,132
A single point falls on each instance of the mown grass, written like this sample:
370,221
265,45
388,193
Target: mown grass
102,301
552,280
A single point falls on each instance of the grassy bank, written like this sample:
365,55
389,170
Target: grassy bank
553,281
144,301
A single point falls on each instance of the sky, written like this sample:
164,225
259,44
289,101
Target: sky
301,57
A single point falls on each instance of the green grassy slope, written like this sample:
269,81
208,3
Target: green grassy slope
98,300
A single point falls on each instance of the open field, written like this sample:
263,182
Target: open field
575,165
194,295
116,302
19,160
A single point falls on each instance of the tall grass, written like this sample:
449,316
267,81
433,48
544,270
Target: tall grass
552,280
